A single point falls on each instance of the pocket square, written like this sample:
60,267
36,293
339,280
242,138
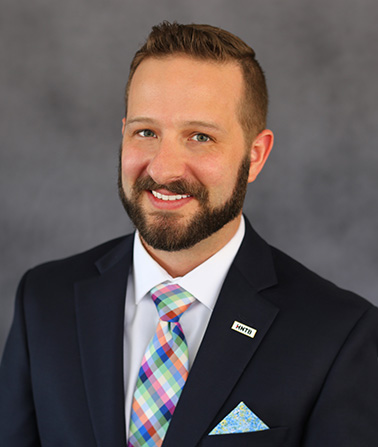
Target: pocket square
240,420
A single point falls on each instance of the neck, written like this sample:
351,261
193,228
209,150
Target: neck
179,263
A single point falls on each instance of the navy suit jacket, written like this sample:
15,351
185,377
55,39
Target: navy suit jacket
310,373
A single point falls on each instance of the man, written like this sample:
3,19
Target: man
276,355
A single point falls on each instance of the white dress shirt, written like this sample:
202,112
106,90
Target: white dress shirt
141,317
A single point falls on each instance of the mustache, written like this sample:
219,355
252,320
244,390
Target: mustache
197,190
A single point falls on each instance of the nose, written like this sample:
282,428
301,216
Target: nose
168,163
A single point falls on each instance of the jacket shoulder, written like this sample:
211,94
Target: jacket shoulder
316,293
78,266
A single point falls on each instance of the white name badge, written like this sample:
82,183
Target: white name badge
243,329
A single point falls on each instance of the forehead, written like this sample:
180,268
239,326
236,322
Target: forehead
186,83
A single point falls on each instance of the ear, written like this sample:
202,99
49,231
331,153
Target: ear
123,125
260,150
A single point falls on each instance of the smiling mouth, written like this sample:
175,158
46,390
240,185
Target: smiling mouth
172,197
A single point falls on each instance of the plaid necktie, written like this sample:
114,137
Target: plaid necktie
164,369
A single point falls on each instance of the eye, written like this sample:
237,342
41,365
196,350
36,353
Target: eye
201,138
146,133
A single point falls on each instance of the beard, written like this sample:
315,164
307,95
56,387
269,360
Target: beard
166,232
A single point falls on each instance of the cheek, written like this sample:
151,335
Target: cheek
217,175
207,168
133,164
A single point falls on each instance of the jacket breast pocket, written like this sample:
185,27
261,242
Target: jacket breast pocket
274,437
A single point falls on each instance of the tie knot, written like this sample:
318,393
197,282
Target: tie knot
171,301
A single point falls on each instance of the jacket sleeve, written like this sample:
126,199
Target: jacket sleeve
346,412
18,426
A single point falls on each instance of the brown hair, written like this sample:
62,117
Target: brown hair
211,43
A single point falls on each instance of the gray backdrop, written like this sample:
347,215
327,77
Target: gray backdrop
63,68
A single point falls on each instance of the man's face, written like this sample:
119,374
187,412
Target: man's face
184,164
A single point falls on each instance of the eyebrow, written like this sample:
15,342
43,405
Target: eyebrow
207,124
140,119
144,119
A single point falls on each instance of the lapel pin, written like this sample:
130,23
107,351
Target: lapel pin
244,329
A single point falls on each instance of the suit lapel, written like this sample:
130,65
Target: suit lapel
225,353
100,320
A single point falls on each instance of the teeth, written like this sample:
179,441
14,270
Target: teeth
165,197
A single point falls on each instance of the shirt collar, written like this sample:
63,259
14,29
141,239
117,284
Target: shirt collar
204,282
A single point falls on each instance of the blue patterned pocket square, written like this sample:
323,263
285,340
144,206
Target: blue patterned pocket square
240,420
